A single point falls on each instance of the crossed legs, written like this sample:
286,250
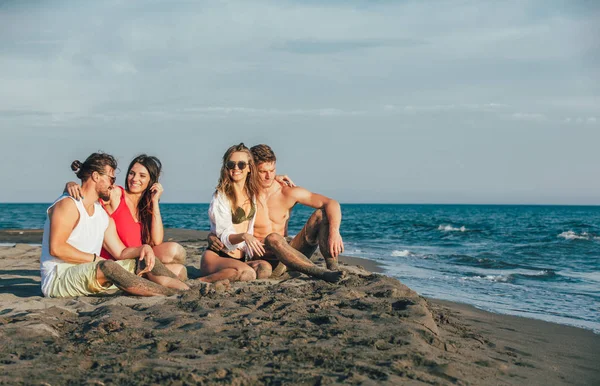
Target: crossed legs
214,267
159,281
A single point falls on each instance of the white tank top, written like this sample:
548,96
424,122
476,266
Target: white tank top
87,237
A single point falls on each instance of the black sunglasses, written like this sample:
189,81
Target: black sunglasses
240,164
113,179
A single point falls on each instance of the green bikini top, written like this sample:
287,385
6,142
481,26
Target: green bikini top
239,215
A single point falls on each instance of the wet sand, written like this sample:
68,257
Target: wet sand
369,329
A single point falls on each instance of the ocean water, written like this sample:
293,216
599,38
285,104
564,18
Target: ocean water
535,261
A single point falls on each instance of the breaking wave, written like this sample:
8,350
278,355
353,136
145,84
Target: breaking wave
403,253
546,274
450,228
570,235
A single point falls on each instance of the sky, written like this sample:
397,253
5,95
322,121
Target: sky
447,101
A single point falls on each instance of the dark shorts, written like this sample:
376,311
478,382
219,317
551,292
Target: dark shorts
228,256
269,257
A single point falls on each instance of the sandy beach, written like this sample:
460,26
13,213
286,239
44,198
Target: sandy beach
369,329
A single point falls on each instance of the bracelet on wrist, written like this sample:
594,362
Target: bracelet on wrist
95,257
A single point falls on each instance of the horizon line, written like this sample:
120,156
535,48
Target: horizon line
364,203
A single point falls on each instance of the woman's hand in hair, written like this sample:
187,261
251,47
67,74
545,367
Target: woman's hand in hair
255,246
74,190
157,191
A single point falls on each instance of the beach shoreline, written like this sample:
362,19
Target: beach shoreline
437,341
34,237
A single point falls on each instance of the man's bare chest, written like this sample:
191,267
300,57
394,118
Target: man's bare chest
277,210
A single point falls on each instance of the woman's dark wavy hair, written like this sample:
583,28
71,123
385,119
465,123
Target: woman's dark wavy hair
96,162
145,207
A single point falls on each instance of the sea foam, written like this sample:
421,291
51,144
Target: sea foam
570,235
494,278
450,228
403,253
544,274
353,251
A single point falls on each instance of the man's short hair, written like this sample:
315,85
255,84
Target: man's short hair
263,153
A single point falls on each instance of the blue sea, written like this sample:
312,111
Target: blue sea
534,261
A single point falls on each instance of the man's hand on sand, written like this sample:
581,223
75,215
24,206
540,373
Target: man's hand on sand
336,244
146,256
214,243
255,246
74,190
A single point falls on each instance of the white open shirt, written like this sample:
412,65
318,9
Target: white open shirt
219,213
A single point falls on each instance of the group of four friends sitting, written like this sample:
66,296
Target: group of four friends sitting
99,236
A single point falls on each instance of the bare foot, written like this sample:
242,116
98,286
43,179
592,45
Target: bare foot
221,285
202,286
207,288
279,271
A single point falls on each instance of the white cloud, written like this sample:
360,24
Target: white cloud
444,108
532,117
580,120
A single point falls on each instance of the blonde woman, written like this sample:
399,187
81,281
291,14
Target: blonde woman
232,213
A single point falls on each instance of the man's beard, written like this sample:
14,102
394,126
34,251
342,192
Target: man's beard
105,196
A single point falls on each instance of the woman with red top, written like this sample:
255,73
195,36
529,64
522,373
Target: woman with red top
136,212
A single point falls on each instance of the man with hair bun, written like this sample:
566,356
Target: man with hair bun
276,202
76,230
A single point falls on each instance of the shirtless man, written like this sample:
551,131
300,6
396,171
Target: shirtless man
321,230
74,233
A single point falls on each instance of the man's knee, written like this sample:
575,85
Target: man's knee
107,270
107,267
315,224
274,240
319,215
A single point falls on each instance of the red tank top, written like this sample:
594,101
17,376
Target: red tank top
129,231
